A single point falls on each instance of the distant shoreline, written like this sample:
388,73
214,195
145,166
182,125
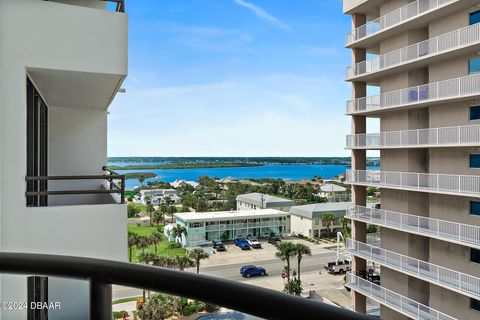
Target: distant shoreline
186,166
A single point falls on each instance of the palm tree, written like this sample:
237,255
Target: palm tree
184,262
197,255
344,221
178,231
132,242
160,261
141,179
155,238
150,210
171,210
285,250
143,243
300,250
147,258
158,216
327,219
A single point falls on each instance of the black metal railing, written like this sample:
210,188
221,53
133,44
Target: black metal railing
101,274
110,176
120,5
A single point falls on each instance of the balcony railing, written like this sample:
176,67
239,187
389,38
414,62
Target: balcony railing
444,277
425,182
395,18
450,41
457,88
393,300
102,273
431,137
245,225
114,184
449,231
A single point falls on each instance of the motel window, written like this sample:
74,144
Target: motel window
194,224
475,304
474,17
474,65
475,161
475,113
475,255
475,208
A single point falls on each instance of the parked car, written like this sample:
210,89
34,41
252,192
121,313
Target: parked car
218,245
249,271
242,243
254,243
274,240
340,266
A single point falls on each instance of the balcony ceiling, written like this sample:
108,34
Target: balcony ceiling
74,89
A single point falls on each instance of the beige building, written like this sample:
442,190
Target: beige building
424,57
257,200
307,219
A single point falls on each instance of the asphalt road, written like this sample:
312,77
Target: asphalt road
274,268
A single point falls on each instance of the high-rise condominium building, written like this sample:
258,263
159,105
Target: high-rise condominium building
61,65
416,67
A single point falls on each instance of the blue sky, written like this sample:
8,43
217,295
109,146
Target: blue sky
233,78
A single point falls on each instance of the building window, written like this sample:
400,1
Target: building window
474,65
474,17
194,224
475,113
475,255
475,304
475,161
475,208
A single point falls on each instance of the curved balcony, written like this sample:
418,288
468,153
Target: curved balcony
457,136
447,278
102,273
394,301
462,88
395,18
420,53
444,230
461,185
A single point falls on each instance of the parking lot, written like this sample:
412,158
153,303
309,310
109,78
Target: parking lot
234,254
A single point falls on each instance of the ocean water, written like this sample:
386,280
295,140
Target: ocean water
276,171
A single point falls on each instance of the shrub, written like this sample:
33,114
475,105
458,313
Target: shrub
190,309
174,245
119,314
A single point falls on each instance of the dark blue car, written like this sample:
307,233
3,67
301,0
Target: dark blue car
242,243
250,271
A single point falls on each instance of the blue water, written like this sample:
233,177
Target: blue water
276,171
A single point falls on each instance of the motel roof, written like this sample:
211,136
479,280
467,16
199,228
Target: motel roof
268,200
229,215
316,210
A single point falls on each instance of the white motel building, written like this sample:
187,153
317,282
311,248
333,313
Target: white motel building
203,227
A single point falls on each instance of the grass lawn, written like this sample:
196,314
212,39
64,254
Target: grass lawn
126,300
162,247
141,207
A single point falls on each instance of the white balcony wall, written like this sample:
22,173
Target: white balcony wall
393,300
448,278
425,182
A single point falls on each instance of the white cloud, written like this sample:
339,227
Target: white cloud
272,115
263,14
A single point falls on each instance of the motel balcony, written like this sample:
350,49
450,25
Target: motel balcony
449,231
406,306
460,41
461,185
414,15
447,278
456,89
455,136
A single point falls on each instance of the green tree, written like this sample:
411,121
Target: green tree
141,179
158,217
178,231
327,219
132,242
143,243
155,239
167,200
344,220
171,210
300,251
184,262
224,236
159,307
293,286
150,210
146,258
132,210
197,255
286,250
